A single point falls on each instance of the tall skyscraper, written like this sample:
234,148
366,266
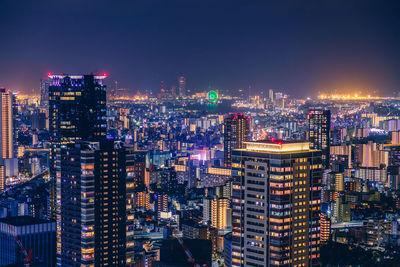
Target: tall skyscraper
7,125
77,111
44,93
182,86
236,132
319,122
93,222
276,204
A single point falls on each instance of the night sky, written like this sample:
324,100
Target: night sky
300,47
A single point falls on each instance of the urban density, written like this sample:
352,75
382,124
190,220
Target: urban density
97,171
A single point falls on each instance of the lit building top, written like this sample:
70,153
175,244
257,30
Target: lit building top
277,146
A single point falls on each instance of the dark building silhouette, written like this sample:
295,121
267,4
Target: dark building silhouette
95,192
77,111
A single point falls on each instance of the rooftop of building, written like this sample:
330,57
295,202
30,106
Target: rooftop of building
23,220
277,146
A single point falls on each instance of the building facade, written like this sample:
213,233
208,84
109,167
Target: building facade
77,111
94,227
37,237
276,204
236,132
319,122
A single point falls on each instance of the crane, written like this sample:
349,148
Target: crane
28,255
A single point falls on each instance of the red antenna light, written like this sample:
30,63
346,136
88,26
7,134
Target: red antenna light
105,74
49,74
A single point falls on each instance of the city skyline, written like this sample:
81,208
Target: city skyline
294,47
199,133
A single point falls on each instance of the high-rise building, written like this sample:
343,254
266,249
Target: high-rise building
276,197
182,86
7,133
94,227
319,122
219,211
77,111
44,93
236,132
161,203
6,125
207,209
35,235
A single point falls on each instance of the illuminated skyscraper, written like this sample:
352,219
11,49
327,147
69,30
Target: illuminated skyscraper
319,122
276,204
94,224
182,86
236,132
6,125
7,133
77,111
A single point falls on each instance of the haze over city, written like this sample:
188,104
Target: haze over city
299,47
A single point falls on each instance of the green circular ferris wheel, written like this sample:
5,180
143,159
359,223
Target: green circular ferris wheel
212,97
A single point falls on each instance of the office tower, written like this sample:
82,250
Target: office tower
219,211
319,122
325,228
77,110
7,133
182,86
44,93
236,132
35,236
275,204
93,223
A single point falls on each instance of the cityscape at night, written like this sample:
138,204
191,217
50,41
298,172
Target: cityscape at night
200,133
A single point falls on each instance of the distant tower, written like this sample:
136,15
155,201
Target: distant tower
271,95
319,122
44,93
182,86
236,132
114,91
